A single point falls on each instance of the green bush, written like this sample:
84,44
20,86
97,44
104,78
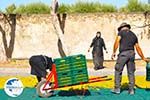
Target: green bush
33,8
123,9
86,7
63,8
21,9
108,8
146,7
135,6
10,9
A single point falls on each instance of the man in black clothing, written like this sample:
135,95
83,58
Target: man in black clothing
39,64
98,57
126,40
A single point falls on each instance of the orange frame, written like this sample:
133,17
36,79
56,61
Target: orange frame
53,73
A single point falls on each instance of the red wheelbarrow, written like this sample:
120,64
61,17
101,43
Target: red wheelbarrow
46,88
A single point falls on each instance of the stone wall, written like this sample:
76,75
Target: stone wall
35,34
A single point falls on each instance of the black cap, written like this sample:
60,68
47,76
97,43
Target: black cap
124,25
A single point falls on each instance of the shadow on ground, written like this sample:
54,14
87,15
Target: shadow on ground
74,92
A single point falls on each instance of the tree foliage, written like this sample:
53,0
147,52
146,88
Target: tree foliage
10,9
135,6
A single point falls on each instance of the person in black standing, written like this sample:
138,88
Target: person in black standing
98,45
39,64
126,40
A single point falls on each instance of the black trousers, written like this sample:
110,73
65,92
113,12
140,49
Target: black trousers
98,60
125,58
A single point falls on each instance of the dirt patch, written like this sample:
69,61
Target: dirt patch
24,63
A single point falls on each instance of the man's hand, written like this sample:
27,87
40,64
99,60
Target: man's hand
113,56
146,60
116,44
139,51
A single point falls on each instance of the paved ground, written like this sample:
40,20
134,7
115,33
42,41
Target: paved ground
26,71
21,68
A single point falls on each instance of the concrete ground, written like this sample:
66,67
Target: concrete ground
25,71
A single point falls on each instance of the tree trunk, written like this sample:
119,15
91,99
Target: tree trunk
9,20
3,57
59,28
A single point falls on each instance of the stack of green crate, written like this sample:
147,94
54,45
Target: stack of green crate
63,71
79,69
71,70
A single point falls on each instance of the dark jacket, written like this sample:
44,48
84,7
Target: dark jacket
39,64
98,45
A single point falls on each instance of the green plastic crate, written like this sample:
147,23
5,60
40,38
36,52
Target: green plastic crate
64,83
71,70
80,71
80,76
65,78
79,80
83,76
63,65
78,62
79,66
78,58
62,61
63,68
64,74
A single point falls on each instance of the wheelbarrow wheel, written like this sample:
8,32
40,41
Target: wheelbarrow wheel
44,93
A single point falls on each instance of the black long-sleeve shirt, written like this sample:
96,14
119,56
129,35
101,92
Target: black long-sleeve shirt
98,44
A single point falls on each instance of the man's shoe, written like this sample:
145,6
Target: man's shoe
101,67
131,92
98,68
115,91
